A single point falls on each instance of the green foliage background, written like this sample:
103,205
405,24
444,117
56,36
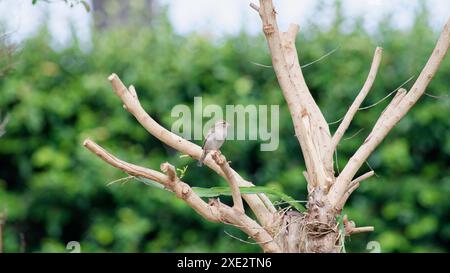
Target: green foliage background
55,191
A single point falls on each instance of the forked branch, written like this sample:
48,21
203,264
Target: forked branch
181,189
395,111
231,179
310,126
259,204
215,211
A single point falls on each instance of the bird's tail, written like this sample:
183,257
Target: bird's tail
202,158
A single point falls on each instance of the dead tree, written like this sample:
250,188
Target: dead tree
315,230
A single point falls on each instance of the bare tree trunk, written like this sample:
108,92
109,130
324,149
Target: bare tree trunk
315,230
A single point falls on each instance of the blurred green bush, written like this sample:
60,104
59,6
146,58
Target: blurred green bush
55,191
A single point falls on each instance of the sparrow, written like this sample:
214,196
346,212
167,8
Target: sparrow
214,139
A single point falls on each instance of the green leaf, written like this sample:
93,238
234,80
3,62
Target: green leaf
182,171
226,191
149,182
33,2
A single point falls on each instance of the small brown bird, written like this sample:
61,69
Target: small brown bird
214,139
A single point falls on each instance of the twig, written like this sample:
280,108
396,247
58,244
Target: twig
170,171
357,230
363,177
359,99
350,227
345,197
231,179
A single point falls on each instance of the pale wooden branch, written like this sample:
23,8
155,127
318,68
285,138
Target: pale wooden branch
363,177
132,104
352,187
170,171
317,130
267,202
250,227
392,116
357,230
214,212
231,179
181,189
359,99
390,108
270,29
310,127
350,227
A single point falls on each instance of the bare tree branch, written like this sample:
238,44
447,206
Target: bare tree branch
132,104
387,112
231,179
215,212
182,190
170,171
310,127
350,227
318,127
396,110
352,187
359,99
344,198
363,177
